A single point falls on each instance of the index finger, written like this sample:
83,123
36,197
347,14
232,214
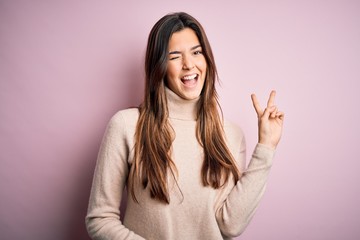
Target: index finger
256,104
271,100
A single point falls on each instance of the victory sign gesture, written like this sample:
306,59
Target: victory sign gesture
270,121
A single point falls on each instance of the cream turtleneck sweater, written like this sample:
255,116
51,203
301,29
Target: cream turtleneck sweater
195,211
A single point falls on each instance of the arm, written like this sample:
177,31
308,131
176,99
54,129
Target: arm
240,205
103,216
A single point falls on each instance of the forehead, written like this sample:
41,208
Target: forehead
183,40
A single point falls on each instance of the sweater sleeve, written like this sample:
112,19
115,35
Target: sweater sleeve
111,171
239,207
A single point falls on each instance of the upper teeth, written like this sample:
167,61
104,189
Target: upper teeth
190,77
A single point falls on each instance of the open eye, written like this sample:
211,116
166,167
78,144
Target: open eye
197,52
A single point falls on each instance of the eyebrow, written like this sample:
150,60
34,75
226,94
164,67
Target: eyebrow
178,52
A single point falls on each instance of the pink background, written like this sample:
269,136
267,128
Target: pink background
67,66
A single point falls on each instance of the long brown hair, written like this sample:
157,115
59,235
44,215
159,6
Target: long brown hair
154,135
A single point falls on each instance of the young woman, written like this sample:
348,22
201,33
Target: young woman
182,164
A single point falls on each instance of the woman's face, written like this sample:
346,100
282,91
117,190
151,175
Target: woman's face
186,70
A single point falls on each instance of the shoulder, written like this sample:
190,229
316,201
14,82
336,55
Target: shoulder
125,116
123,120
233,132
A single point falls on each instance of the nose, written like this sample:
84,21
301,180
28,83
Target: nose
188,64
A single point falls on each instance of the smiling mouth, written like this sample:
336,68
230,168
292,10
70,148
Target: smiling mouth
190,80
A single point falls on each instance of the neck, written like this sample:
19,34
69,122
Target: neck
180,108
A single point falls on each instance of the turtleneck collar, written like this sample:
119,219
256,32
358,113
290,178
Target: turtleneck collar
180,108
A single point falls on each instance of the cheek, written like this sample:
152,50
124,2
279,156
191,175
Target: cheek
204,70
170,75
172,70
205,67
202,65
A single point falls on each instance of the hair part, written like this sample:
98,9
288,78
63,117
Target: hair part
154,135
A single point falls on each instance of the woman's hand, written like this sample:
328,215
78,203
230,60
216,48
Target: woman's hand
270,121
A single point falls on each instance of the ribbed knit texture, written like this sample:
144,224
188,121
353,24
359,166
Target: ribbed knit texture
195,211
